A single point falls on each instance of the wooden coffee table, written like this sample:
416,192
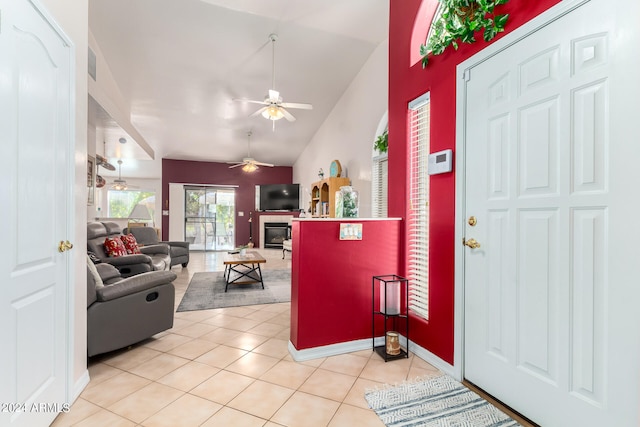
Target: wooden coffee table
243,269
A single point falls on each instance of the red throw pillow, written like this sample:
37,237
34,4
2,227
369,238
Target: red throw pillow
130,244
114,247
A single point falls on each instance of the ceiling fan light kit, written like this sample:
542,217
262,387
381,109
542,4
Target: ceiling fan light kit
272,113
250,167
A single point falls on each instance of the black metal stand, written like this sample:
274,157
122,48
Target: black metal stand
393,308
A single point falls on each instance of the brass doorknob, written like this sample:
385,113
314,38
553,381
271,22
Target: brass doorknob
472,243
64,246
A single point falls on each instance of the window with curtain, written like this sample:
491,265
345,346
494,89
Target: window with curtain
379,185
419,206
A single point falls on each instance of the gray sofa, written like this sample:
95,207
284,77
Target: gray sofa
124,311
179,251
153,257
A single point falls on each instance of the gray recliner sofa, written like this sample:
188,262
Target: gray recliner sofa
153,257
124,311
179,251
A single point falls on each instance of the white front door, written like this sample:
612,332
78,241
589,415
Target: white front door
551,300
36,190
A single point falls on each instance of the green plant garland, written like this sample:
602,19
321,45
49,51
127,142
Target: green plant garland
459,20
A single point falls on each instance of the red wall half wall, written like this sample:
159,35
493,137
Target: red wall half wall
331,278
211,173
439,79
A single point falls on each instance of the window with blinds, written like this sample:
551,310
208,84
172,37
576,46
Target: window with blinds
419,206
379,184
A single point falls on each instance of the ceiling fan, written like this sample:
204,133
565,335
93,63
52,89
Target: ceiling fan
249,164
120,184
273,107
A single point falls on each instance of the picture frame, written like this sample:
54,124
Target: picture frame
350,231
91,180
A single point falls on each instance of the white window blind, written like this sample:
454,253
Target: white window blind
379,182
419,207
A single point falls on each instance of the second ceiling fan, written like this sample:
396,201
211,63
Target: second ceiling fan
249,164
273,106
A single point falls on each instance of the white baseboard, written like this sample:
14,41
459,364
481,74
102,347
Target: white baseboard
365,344
434,360
80,385
329,350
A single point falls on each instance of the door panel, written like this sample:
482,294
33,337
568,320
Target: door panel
35,125
551,176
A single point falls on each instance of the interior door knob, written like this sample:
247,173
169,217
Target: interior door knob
64,246
472,243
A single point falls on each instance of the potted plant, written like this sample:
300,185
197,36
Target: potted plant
242,249
382,142
459,20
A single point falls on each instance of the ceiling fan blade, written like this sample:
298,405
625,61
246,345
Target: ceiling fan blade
250,101
235,166
101,161
287,115
257,113
274,96
297,105
263,164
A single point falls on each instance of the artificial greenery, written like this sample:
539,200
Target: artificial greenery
382,142
459,21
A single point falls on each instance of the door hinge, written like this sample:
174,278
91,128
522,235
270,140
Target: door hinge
466,75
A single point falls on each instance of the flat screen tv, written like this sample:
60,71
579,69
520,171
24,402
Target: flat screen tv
278,197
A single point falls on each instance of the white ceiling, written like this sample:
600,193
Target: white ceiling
181,63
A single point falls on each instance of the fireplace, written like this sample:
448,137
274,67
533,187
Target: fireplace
265,218
274,234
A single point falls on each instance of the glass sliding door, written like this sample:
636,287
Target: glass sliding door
209,218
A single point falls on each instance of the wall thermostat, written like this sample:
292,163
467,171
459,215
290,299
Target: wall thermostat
440,162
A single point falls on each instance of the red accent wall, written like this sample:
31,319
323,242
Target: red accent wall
405,84
192,172
331,279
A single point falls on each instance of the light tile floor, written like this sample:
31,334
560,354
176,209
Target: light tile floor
231,367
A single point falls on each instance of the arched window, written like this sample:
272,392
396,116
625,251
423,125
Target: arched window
421,28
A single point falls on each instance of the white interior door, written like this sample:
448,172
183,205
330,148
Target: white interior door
550,152
35,129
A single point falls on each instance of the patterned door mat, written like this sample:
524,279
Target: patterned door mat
435,402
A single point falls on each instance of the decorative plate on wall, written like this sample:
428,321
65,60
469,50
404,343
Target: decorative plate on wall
336,169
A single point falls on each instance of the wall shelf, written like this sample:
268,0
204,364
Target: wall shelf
323,196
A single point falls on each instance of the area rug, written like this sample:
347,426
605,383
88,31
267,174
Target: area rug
206,291
435,401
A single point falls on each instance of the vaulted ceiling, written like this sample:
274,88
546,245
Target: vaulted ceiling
181,64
